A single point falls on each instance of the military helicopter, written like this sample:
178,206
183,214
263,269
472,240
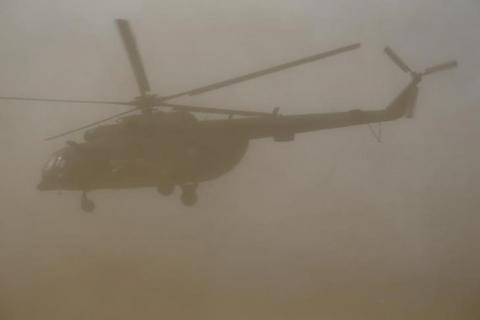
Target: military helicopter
164,149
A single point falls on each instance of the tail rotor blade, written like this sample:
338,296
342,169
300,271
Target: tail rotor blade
397,60
133,55
441,67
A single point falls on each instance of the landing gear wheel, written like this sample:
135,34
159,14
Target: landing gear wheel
166,189
189,195
87,204
189,198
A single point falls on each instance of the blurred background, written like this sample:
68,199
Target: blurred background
331,226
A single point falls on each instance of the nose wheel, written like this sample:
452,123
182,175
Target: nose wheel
86,204
189,195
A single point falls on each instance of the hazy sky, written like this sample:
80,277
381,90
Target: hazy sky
332,226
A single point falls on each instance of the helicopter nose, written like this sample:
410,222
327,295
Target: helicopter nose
41,186
44,185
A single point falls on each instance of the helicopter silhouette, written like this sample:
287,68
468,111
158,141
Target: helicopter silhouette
167,149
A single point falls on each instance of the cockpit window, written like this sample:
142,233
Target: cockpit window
50,163
60,163
57,161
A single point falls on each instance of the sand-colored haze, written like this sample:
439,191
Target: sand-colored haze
331,226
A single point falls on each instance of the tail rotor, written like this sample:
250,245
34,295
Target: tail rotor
412,93
405,68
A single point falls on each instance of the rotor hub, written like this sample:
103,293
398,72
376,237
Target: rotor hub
146,102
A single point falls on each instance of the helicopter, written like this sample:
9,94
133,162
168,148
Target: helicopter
148,147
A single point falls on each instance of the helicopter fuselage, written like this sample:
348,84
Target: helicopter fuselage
166,148
174,148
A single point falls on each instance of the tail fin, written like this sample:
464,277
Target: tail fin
404,104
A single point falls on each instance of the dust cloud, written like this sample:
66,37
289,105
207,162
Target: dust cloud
331,226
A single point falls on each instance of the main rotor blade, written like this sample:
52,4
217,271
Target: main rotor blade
91,124
181,107
65,100
441,67
398,61
133,55
261,73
